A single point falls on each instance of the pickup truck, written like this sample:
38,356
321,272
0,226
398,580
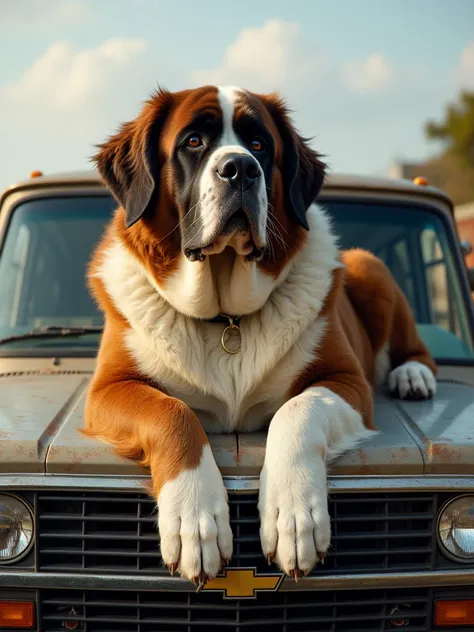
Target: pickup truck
78,537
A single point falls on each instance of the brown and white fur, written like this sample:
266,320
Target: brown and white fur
196,236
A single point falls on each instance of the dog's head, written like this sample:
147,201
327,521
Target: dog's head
209,170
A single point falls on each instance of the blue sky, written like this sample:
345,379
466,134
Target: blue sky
362,76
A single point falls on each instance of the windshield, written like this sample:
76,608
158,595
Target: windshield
49,243
43,265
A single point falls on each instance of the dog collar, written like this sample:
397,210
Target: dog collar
232,326
225,318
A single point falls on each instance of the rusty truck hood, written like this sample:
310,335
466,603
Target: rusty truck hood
41,414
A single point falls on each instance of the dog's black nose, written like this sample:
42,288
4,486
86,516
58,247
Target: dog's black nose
239,170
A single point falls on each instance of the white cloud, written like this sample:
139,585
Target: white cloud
466,67
370,75
264,58
43,13
65,78
70,99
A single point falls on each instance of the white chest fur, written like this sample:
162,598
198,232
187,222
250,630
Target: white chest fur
184,355
227,392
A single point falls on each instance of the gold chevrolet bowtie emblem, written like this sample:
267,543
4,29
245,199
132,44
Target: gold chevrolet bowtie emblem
243,583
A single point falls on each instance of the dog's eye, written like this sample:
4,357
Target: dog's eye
194,141
257,144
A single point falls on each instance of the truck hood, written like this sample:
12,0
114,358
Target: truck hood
41,414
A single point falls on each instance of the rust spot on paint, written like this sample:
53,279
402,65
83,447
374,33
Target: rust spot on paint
91,455
242,452
363,456
369,470
442,453
393,456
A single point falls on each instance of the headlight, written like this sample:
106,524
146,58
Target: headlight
16,528
456,528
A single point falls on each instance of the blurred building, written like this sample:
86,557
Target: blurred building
407,170
444,172
435,173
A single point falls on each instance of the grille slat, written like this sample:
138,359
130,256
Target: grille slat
230,606
380,534
123,499
427,498
272,621
346,611
97,518
117,533
92,552
418,516
133,537
381,551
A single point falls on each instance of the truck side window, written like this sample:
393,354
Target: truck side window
414,244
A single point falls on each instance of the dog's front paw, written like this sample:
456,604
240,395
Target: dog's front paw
315,426
412,380
295,527
193,520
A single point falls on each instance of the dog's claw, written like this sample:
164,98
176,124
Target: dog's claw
296,574
172,569
322,556
270,559
200,581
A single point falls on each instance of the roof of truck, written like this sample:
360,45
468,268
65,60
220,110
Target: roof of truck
333,181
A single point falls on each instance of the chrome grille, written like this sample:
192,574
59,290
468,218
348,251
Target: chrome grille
356,611
116,533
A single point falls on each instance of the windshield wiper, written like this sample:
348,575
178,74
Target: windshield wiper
52,331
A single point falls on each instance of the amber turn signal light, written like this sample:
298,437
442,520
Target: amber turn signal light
17,614
458,612
36,174
420,181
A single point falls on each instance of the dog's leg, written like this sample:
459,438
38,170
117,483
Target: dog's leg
407,364
163,433
413,371
328,414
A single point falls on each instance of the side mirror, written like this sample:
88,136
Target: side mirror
466,248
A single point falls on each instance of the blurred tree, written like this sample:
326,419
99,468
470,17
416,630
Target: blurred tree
453,170
457,129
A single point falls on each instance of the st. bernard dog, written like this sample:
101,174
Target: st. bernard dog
228,307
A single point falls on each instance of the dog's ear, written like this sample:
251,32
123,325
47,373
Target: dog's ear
303,170
128,161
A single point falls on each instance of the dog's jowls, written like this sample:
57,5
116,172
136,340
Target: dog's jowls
216,214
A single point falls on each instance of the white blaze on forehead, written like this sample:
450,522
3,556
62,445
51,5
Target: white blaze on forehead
228,96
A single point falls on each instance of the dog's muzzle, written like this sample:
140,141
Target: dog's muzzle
237,187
